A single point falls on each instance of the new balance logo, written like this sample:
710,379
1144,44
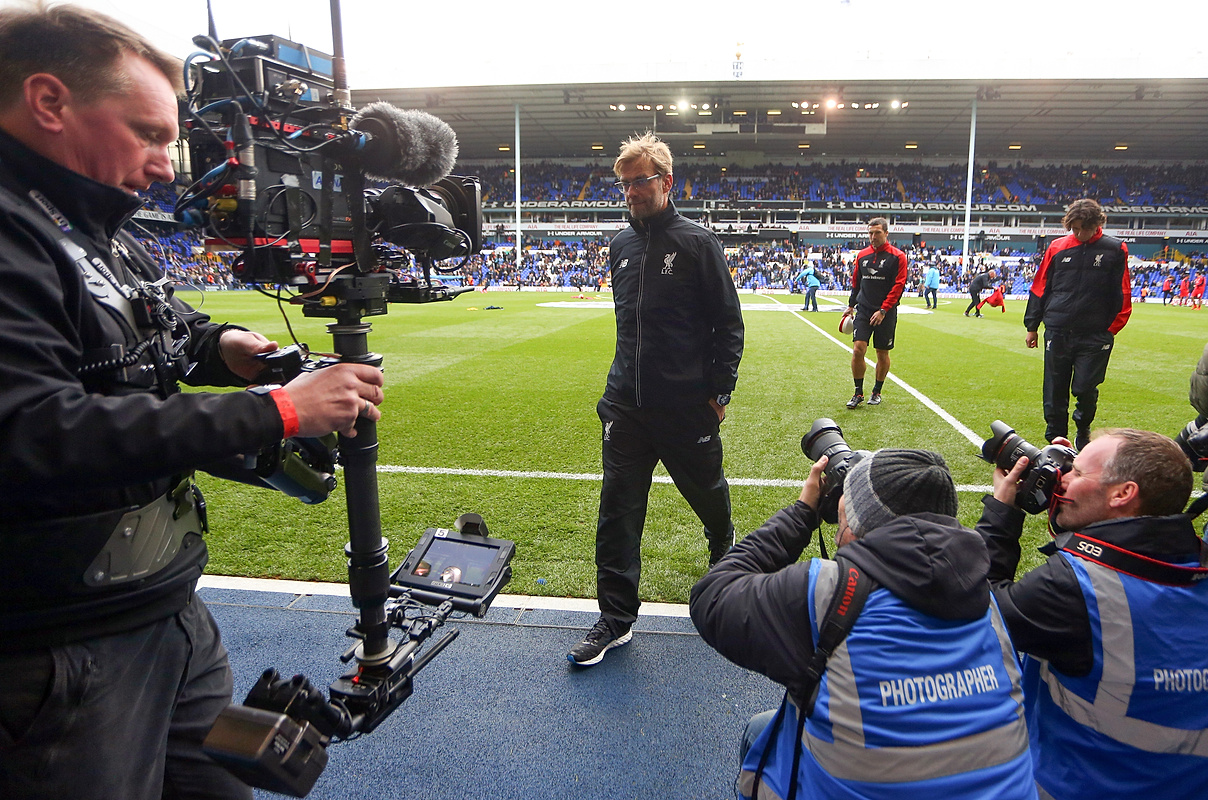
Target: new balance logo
608,430
703,439
668,262
1066,260
624,263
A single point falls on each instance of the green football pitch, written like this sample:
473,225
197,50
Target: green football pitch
490,407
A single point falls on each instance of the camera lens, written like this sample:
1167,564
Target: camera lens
1005,446
824,439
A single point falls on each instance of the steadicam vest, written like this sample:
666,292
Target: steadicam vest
1137,725
909,706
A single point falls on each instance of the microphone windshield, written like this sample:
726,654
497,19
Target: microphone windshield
408,146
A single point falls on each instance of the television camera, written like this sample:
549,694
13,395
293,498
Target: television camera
327,206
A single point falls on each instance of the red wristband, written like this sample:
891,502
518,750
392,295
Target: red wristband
289,414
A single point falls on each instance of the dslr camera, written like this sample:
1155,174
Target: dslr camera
1194,441
825,438
1041,479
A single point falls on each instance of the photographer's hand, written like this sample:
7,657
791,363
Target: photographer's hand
812,490
239,349
332,398
1006,484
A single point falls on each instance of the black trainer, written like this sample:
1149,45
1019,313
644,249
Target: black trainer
599,640
875,400
1082,439
717,550
856,399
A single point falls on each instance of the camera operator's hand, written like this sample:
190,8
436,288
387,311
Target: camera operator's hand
1030,339
812,491
1006,484
331,399
239,349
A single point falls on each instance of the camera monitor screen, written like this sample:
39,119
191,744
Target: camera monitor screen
448,564
451,561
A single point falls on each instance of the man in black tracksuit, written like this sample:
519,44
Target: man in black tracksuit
679,341
1081,293
980,283
113,669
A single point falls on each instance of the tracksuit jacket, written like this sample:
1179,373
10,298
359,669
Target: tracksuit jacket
1116,690
877,279
922,699
679,323
1081,287
82,448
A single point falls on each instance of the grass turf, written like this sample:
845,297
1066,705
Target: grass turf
514,389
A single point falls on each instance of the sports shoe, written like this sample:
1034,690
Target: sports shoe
856,399
1082,439
599,640
875,400
718,549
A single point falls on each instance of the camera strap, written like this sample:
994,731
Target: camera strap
1129,563
845,606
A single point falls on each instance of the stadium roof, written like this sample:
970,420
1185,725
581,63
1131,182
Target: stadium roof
1067,120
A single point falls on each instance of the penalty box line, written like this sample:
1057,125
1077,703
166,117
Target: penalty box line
956,424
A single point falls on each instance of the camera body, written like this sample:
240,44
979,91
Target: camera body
1046,465
1193,439
825,438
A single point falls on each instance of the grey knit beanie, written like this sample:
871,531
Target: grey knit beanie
890,483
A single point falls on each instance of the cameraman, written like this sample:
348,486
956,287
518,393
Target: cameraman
1117,706
922,698
113,670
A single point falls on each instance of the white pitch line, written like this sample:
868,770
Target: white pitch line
588,476
959,426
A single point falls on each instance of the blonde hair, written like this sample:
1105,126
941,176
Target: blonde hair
646,146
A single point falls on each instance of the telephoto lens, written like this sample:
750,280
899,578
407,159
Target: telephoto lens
826,439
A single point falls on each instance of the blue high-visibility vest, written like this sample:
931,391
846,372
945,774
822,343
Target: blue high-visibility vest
1137,725
909,706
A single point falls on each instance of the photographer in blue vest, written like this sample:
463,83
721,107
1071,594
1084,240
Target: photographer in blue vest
921,697
1116,673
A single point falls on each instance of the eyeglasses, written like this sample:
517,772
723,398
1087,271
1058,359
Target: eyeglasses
625,186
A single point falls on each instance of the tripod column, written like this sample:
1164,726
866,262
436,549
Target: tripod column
368,567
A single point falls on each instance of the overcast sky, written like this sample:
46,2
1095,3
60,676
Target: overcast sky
393,43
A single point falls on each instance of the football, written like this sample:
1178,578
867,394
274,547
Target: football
847,323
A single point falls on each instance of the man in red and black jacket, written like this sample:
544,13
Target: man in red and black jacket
877,282
1082,295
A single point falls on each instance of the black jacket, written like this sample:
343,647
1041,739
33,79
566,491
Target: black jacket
980,283
1045,610
679,323
753,606
1081,287
80,449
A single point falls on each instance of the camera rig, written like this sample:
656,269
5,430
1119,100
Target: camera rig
284,168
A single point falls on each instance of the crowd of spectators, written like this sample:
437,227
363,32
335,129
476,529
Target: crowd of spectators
762,265
1185,185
